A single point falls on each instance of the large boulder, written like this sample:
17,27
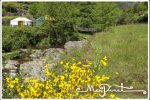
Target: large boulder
11,64
37,54
74,45
32,69
11,67
35,68
39,58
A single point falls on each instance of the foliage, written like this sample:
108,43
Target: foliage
85,14
23,37
133,13
3,12
12,55
6,20
10,7
68,16
98,15
14,8
17,37
61,24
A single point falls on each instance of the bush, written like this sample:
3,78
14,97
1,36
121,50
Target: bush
12,55
134,13
77,75
3,12
22,37
17,37
44,42
6,19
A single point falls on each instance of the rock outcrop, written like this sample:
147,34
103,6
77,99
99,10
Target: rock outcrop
74,45
34,68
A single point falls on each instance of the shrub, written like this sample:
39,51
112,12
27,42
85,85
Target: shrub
77,75
17,37
6,19
22,37
12,55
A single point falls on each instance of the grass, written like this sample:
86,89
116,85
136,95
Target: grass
126,47
127,50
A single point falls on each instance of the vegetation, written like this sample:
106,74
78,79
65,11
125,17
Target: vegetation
124,46
115,54
22,37
6,20
15,8
61,24
112,53
11,56
134,13
76,75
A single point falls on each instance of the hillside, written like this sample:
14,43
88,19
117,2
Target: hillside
126,48
75,50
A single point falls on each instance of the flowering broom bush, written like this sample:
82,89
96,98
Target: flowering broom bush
77,76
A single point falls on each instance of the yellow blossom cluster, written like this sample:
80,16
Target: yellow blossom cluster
77,75
104,61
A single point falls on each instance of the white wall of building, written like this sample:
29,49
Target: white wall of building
26,21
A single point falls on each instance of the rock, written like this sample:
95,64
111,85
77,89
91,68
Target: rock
24,50
39,58
12,75
11,68
74,45
53,51
11,64
35,68
32,69
37,54
13,71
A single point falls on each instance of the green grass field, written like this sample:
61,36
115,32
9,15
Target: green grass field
126,48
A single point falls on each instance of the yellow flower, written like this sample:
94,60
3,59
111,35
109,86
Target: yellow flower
7,79
73,59
86,65
34,80
79,63
97,77
105,58
44,94
116,73
61,62
62,85
113,96
62,78
16,80
66,65
18,88
104,63
11,85
104,78
56,80
46,65
73,67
